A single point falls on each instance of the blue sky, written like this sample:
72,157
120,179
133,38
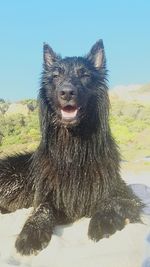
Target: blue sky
71,28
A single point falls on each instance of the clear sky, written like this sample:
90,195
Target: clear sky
71,28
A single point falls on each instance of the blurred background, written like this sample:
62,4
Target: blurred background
71,28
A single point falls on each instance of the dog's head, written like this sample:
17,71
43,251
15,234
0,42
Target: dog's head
72,84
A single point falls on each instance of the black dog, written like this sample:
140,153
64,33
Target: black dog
75,170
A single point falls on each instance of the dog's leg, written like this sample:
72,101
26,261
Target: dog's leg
37,230
16,190
113,215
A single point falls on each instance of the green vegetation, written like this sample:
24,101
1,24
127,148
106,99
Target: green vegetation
19,132
130,124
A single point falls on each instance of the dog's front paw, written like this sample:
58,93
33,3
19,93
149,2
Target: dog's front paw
104,225
31,240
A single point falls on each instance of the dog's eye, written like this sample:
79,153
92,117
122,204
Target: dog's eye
86,75
83,74
55,75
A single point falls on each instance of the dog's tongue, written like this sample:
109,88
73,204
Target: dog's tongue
69,112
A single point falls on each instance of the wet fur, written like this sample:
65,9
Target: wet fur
75,171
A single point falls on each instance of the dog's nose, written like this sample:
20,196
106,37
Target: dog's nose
67,93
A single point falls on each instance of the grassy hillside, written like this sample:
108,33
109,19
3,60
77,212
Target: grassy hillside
19,131
130,124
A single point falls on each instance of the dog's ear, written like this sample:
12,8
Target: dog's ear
97,55
49,55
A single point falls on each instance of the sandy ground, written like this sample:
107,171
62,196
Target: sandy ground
70,246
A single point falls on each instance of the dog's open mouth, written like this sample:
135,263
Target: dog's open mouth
69,112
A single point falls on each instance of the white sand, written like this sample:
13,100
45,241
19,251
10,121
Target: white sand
70,246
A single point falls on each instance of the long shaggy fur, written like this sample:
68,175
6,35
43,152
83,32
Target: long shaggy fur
75,171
